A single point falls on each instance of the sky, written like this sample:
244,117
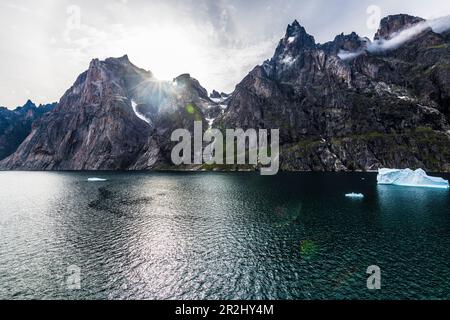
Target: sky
46,44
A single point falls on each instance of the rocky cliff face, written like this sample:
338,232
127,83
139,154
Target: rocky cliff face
349,104
115,116
15,125
384,108
394,24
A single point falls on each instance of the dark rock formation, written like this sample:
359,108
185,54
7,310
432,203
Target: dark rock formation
350,42
359,111
15,125
395,23
215,95
116,116
379,109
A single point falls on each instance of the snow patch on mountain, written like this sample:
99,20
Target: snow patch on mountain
136,112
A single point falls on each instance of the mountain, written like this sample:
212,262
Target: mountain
373,109
15,125
348,104
390,25
116,116
216,95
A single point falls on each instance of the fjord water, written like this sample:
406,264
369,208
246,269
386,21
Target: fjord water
220,236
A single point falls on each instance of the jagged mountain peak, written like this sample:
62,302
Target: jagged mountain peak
295,23
15,125
29,105
123,59
104,78
350,36
115,116
395,23
294,28
346,114
215,95
346,42
183,78
296,34
116,65
191,84
289,49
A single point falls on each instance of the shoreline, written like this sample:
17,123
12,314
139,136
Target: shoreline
204,171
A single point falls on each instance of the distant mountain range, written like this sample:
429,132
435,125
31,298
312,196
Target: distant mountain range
349,104
15,125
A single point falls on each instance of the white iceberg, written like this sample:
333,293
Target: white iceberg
410,178
355,195
96,180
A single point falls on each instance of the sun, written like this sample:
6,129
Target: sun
168,51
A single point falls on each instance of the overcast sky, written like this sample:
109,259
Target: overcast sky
46,44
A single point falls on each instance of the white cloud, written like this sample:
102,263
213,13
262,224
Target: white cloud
398,39
437,25
347,55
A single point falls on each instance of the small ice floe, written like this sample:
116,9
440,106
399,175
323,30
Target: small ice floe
96,180
354,195
410,178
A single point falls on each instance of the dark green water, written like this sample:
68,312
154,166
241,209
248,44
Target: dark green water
220,236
